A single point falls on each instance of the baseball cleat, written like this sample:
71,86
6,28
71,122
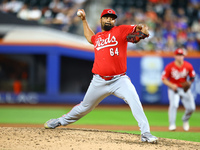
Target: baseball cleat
148,137
186,125
172,127
52,124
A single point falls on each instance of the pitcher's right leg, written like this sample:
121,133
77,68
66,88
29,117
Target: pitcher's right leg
96,92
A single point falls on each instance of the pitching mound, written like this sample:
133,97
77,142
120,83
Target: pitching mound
80,139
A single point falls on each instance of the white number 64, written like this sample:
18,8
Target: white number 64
114,52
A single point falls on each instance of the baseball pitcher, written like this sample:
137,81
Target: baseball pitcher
175,77
109,71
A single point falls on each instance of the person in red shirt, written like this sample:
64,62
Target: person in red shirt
17,87
109,69
173,76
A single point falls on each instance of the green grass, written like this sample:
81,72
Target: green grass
35,115
160,118
29,115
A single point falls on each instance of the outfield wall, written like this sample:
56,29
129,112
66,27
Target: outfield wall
143,68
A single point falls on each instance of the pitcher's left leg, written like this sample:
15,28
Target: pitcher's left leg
189,104
126,91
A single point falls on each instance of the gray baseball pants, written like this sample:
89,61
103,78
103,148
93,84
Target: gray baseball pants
187,100
99,89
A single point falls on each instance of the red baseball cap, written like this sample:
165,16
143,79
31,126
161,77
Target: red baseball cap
109,12
179,51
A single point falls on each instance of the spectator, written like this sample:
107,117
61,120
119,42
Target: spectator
30,14
35,14
17,86
14,6
150,13
159,44
23,13
181,37
55,7
192,44
170,44
4,6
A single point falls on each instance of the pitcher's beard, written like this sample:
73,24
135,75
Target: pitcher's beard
107,27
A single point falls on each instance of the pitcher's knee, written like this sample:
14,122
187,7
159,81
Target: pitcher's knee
191,110
85,110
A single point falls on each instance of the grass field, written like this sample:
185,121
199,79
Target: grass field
101,116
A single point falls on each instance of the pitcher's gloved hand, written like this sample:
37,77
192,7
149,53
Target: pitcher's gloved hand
136,36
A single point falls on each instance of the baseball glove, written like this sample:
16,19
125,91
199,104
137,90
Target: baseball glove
136,36
186,85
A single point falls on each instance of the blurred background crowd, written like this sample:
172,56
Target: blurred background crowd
172,23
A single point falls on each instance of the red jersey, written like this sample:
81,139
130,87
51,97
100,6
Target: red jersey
110,48
177,74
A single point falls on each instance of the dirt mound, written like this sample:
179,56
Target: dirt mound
28,138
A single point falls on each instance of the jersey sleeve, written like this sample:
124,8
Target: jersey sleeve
93,38
166,73
191,71
126,29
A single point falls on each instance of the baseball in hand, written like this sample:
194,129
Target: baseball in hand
79,13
